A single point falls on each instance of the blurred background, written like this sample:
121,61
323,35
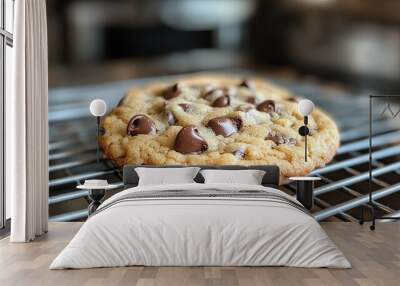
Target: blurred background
353,42
334,52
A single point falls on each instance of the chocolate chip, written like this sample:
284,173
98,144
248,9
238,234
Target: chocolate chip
251,99
239,153
121,101
172,91
140,124
208,90
207,93
171,118
214,91
219,92
225,126
247,83
279,139
222,101
189,141
266,106
292,99
185,106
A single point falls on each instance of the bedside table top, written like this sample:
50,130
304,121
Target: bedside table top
305,178
105,187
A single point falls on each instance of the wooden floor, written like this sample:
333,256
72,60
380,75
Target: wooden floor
375,257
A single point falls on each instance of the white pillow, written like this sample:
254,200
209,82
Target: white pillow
249,177
166,176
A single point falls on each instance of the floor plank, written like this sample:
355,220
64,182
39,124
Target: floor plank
375,257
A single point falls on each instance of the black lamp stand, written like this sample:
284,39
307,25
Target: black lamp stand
98,137
304,131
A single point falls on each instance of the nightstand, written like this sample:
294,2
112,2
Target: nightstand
305,190
95,194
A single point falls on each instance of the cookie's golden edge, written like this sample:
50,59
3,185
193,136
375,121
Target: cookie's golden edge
298,168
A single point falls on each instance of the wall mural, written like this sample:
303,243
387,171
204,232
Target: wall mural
217,119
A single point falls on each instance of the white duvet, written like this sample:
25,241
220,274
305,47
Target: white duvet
190,231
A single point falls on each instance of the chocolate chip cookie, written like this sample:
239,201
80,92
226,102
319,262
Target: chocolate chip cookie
216,120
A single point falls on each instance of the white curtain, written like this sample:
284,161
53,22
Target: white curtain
27,124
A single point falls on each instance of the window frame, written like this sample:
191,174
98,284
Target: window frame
6,39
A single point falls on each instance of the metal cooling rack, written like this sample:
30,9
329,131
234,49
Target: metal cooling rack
339,195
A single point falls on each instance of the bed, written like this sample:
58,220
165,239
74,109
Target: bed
201,224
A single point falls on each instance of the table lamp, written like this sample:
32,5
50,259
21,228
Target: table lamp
305,185
98,108
306,107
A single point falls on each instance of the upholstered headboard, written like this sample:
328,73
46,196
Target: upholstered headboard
271,177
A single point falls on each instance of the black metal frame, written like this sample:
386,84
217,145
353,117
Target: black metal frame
371,202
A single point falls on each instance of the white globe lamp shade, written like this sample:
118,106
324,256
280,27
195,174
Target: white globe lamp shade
306,107
98,107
